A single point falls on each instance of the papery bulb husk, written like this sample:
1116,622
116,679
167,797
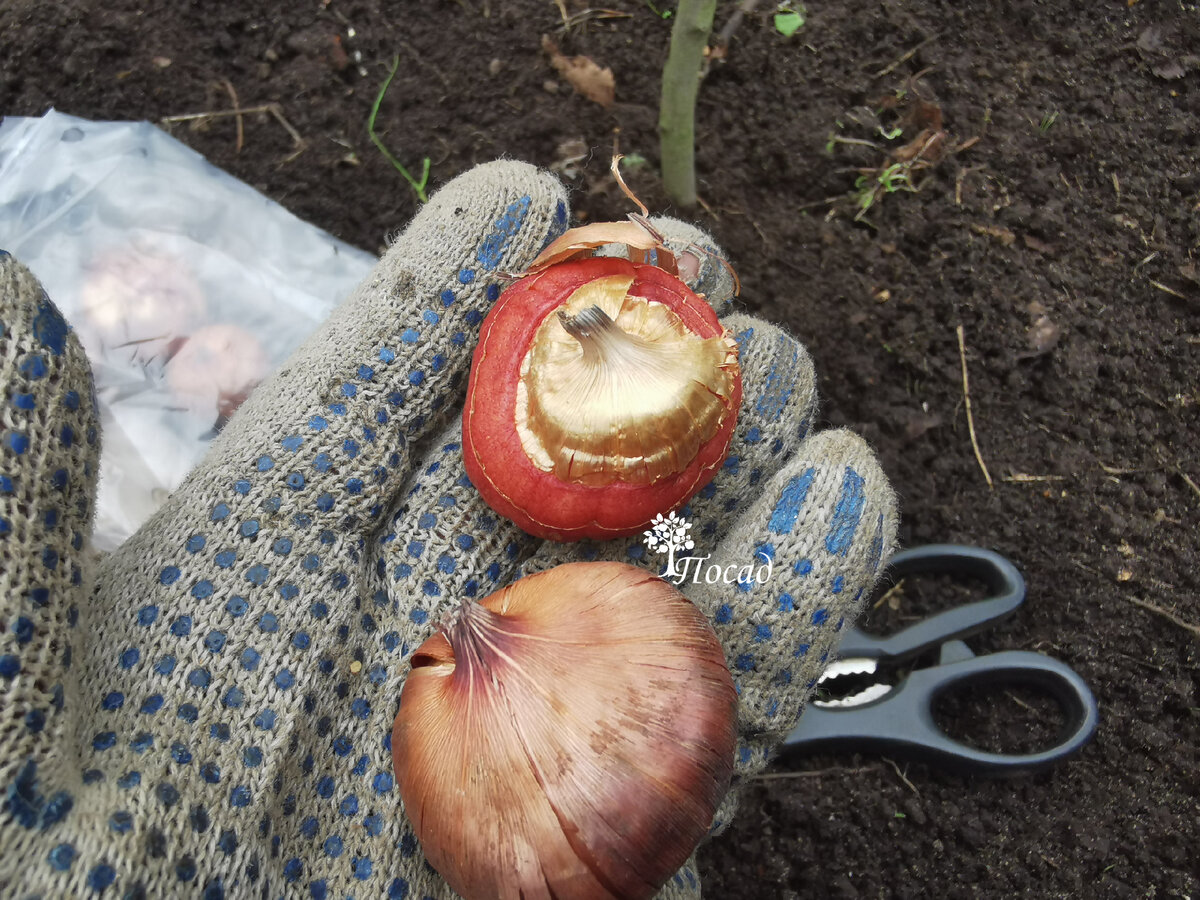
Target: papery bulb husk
629,399
569,737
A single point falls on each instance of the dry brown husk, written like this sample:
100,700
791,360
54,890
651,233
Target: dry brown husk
638,238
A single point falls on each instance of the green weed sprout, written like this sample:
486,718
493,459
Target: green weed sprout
662,14
417,186
888,181
789,20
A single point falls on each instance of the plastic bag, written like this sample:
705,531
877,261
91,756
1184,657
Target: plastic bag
186,287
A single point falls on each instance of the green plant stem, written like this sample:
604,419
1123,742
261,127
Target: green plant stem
417,186
677,114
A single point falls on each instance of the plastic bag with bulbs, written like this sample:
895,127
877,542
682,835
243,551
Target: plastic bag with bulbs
186,287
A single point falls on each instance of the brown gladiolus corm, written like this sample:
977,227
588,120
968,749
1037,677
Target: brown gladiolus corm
570,736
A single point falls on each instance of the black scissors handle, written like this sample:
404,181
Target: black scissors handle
1006,591
902,722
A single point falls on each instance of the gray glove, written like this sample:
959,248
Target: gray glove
208,710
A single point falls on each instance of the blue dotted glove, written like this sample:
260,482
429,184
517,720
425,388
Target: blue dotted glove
208,710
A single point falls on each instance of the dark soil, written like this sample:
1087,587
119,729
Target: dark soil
1057,221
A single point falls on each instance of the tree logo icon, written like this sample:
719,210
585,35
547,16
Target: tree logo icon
669,534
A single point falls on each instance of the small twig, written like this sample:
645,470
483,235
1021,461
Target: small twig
911,786
1022,478
725,35
1120,470
216,114
895,589
1190,483
1140,662
1168,615
858,142
812,773
1169,290
1021,703
277,111
273,108
1152,398
237,109
1145,260
958,182
585,15
962,353
905,58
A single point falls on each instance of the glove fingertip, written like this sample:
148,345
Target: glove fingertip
506,211
703,265
49,450
806,554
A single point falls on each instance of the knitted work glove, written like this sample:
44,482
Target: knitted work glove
208,710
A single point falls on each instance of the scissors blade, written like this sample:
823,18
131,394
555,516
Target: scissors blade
852,665
866,695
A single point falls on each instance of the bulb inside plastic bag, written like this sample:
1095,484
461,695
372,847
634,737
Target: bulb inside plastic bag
186,287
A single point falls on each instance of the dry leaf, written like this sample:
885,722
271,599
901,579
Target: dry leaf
1156,48
579,241
1040,246
584,74
1003,235
1042,336
925,149
570,156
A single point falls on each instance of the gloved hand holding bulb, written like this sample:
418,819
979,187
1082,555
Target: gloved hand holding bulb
210,707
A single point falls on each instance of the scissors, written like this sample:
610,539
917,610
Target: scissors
898,718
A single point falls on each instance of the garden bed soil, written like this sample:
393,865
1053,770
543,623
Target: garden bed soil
1057,221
